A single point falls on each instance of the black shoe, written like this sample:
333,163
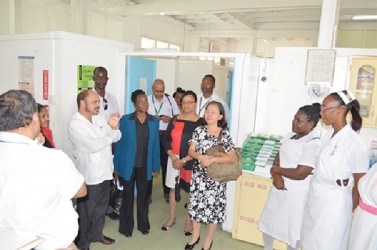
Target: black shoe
145,232
107,240
166,228
113,215
128,235
188,233
210,246
185,206
189,247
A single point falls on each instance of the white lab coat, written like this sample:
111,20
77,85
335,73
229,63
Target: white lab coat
328,209
282,215
364,225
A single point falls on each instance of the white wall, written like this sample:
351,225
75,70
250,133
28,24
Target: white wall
191,72
60,53
221,75
279,99
264,101
38,46
166,70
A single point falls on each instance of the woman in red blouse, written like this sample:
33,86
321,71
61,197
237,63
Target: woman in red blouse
176,143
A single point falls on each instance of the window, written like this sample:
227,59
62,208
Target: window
175,47
147,43
162,45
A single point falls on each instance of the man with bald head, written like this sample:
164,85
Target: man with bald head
91,136
164,107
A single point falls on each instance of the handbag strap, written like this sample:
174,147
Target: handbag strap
219,139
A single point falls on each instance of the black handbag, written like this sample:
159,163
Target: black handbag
116,195
177,190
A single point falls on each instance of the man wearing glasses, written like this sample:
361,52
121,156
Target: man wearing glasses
164,107
108,106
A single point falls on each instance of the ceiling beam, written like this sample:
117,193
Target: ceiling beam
213,6
277,33
242,19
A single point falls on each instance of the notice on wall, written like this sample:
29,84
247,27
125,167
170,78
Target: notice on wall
26,74
320,66
85,77
318,91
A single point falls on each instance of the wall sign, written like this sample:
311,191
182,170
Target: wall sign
320,66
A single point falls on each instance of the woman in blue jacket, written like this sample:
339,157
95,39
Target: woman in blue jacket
136,159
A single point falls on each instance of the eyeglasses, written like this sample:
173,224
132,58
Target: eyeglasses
187,103
210,112
326,108
105,106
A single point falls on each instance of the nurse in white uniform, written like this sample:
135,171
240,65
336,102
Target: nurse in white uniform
282,215
341,161
364,225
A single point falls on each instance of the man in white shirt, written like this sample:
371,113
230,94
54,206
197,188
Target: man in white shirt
108,107
164,107
36,183
207,95
91,136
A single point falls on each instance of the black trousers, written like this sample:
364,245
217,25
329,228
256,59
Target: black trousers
92,211
126,216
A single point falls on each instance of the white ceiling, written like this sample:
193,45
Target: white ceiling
238,18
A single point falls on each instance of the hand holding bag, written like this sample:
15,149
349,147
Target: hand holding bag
177,188
224,172
116,194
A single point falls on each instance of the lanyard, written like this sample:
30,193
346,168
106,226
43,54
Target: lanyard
155,109
205,104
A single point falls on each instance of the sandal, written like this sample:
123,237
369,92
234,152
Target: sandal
166,227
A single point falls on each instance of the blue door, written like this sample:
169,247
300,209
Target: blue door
140,74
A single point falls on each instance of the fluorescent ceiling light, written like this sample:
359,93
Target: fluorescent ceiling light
265,40
364,17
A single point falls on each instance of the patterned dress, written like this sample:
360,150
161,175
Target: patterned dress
207,197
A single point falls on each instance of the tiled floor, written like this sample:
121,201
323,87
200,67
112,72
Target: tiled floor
166,240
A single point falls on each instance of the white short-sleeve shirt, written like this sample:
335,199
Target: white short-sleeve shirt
36,188
167,106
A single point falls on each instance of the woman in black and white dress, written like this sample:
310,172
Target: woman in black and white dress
208,197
